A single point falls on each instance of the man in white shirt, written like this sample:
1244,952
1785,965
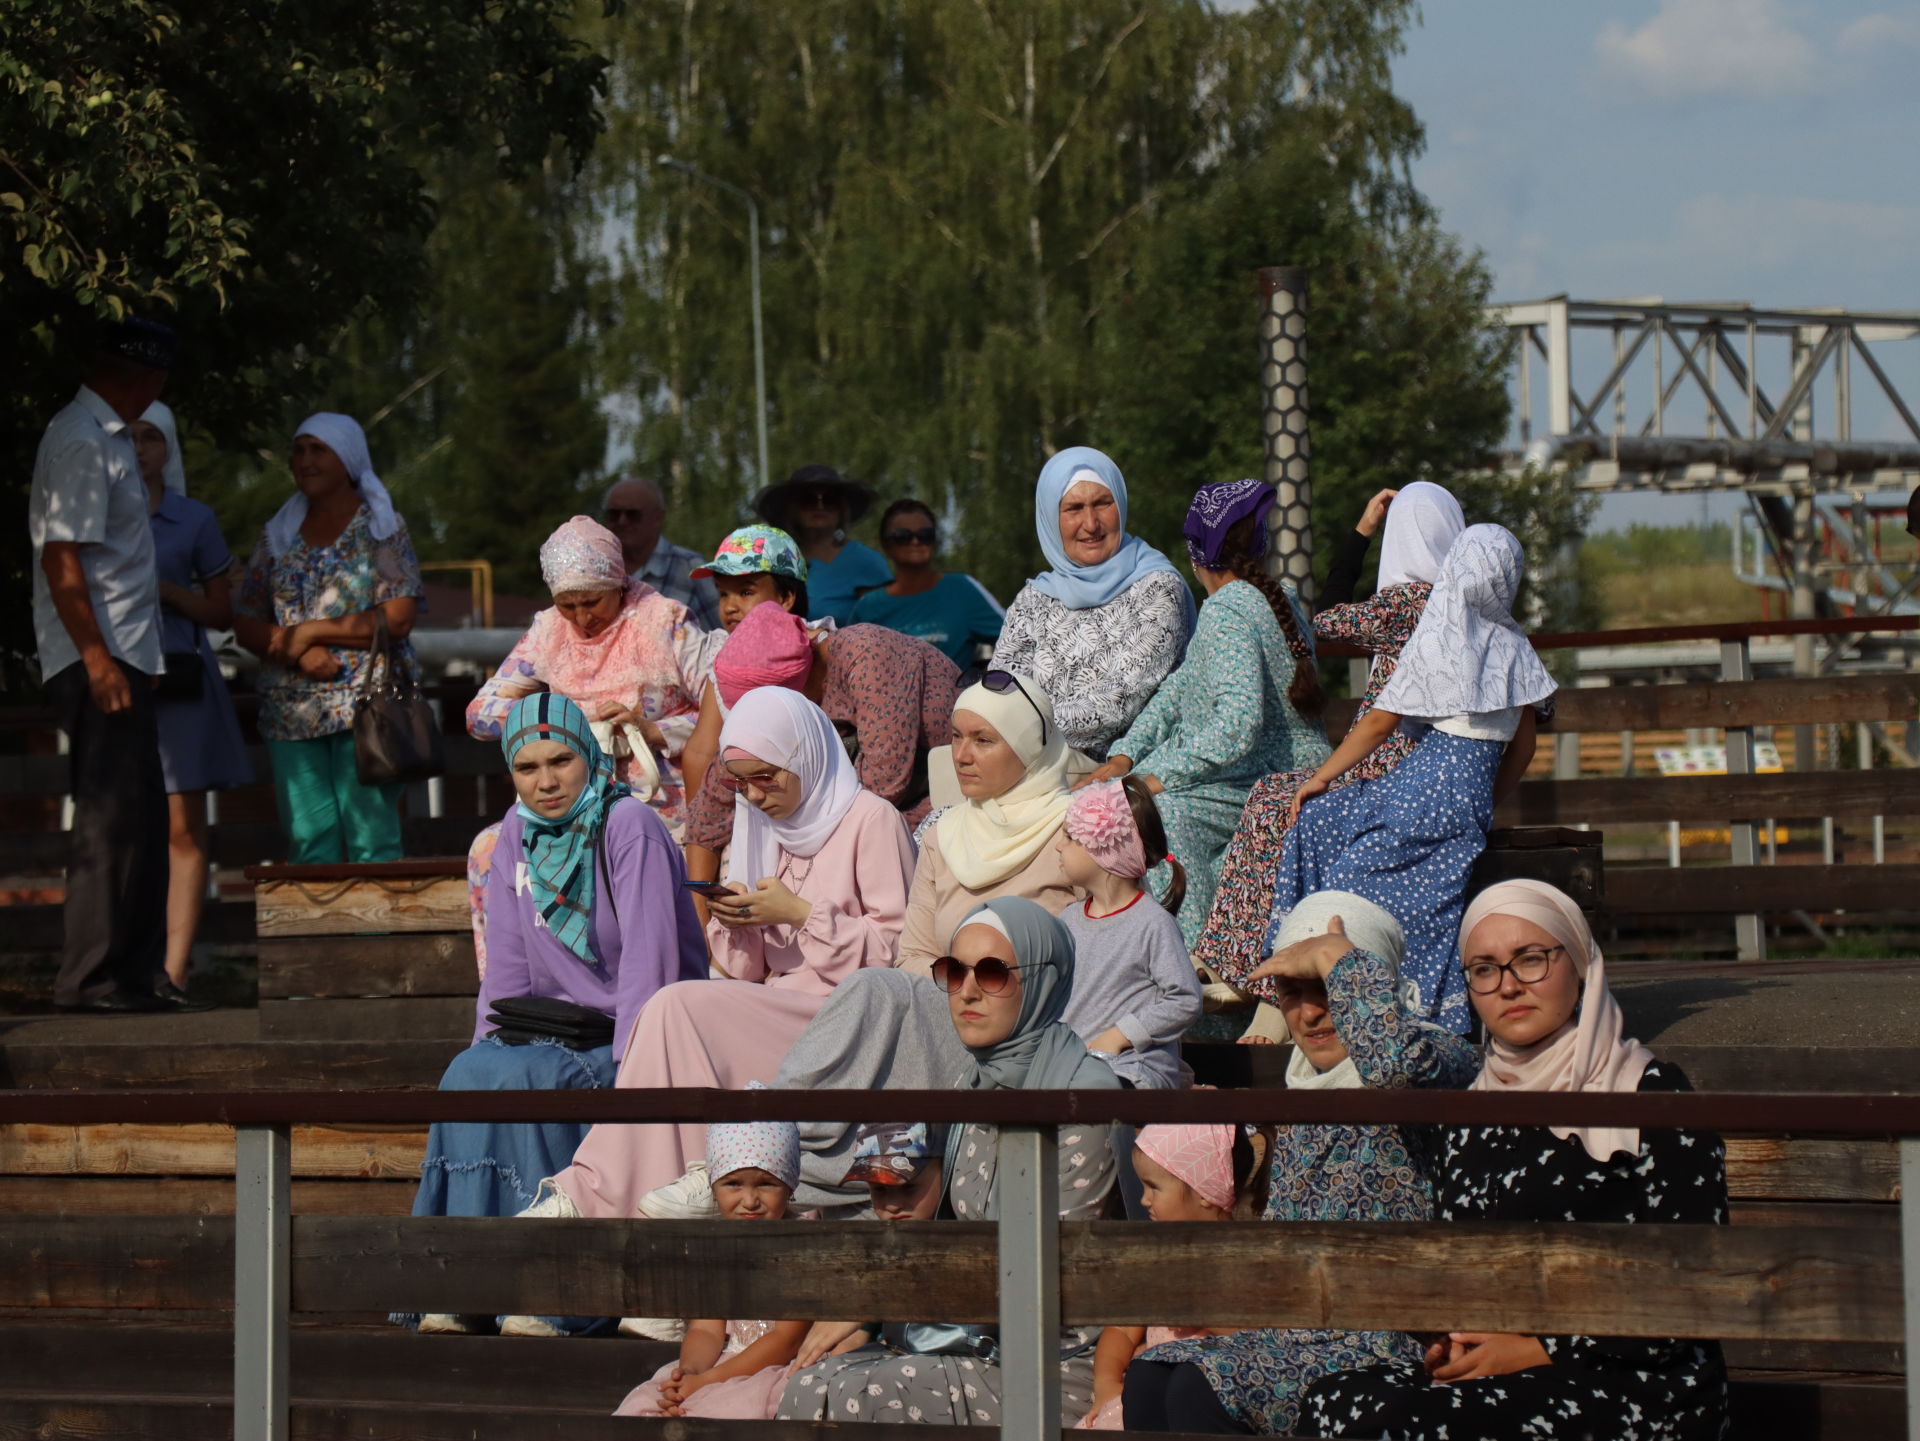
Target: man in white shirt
634,511
96,619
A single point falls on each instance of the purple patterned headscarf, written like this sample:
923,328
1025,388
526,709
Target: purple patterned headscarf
1216,507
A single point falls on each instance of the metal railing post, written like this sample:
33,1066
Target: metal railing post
1910,1272
262,1282
1028,1180
1749,931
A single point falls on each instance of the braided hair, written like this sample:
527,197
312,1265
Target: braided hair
1237,555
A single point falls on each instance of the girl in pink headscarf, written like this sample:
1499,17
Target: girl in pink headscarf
1191,1173
621,651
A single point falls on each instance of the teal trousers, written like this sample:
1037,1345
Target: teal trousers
329,816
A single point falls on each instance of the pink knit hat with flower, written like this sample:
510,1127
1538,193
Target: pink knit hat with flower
770,647
1201,1156
1100,817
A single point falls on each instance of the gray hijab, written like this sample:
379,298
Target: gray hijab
1043,1053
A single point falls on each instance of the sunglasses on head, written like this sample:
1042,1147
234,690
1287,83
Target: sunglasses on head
910,537
1002,681
992,974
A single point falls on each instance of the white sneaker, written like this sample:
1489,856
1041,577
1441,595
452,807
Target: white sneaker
528,1326
690,1198
550,1200
441,1323
654,1328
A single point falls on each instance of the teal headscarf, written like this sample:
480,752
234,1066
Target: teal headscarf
560,850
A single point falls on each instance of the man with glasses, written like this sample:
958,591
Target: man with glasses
635,512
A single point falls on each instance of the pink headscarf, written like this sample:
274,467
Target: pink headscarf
770,647
583,555
1100,817
1591,1051
1202,1156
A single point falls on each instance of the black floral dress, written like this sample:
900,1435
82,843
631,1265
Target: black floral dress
1597,1388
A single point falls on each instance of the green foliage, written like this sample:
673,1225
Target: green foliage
249,172
994,230
1646,547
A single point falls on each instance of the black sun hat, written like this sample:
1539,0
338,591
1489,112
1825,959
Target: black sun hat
775,503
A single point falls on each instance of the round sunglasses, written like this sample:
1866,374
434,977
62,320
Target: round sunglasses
992,974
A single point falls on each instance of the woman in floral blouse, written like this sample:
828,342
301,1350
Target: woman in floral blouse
333,560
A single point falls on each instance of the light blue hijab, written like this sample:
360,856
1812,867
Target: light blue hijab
1082,587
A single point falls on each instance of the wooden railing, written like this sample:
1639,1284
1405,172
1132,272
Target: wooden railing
1774,1282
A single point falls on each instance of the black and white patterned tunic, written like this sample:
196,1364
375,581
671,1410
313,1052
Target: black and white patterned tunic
1099,666
1602,1388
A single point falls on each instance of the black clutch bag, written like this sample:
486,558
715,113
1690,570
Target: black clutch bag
521,1019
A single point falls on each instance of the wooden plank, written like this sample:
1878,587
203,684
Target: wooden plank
406,1064
1715,705
426,964
1769,1168
1728,890
1577,870
386,1019
123,1262
1845,795
348,1422
42,928
359,906
189,1196
86,1417
1843,1408
367,1152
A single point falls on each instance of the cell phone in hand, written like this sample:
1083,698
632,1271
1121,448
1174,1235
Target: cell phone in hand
712,890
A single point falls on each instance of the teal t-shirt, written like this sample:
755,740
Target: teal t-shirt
953,615
834,585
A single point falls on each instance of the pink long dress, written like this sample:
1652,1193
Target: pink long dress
754,1397
727,1033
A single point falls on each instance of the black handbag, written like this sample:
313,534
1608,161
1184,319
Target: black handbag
185,677
521,1019
396,736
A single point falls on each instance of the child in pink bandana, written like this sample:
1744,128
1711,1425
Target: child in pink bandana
1134,989
1190,1173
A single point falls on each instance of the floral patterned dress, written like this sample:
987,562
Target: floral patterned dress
1622,1388
326,582
1216,726
1233,938
887,1381
1338,1173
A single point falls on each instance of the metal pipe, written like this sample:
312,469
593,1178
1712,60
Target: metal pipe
262,1281
1027,1179
753,263
1749,931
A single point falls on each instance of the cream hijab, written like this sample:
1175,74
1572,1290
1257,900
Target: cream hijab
1371,928
1591,1052
984,842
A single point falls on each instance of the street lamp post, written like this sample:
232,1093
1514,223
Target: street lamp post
753,252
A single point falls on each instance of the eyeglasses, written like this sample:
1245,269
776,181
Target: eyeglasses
992,974
910,537
1528,967
765,781
1002,681
618,515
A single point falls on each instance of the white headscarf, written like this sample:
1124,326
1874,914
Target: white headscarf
1422,524
343,436
1592,1051
785,729
174,475
1371,928
1467,657
984,842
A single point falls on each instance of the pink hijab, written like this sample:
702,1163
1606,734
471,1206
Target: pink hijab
769,647
1202,1156
1591,1052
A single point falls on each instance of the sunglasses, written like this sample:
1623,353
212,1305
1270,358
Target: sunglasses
766,782
910,537
1002,681
992,974
813,498
618,514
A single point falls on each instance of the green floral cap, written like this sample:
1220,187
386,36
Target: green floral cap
757,550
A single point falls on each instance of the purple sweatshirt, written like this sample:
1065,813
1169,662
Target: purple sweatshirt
656,940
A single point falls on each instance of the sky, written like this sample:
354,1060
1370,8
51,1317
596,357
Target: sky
1759,150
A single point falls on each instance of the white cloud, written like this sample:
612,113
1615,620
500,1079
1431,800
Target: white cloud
1697,48
1873,36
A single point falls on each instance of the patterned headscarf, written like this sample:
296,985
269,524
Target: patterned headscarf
1201,1156
1217,507
772,1146
560,850
769,647
582,555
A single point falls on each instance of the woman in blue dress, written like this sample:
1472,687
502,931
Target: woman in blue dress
1244,703
200,745
1467,685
